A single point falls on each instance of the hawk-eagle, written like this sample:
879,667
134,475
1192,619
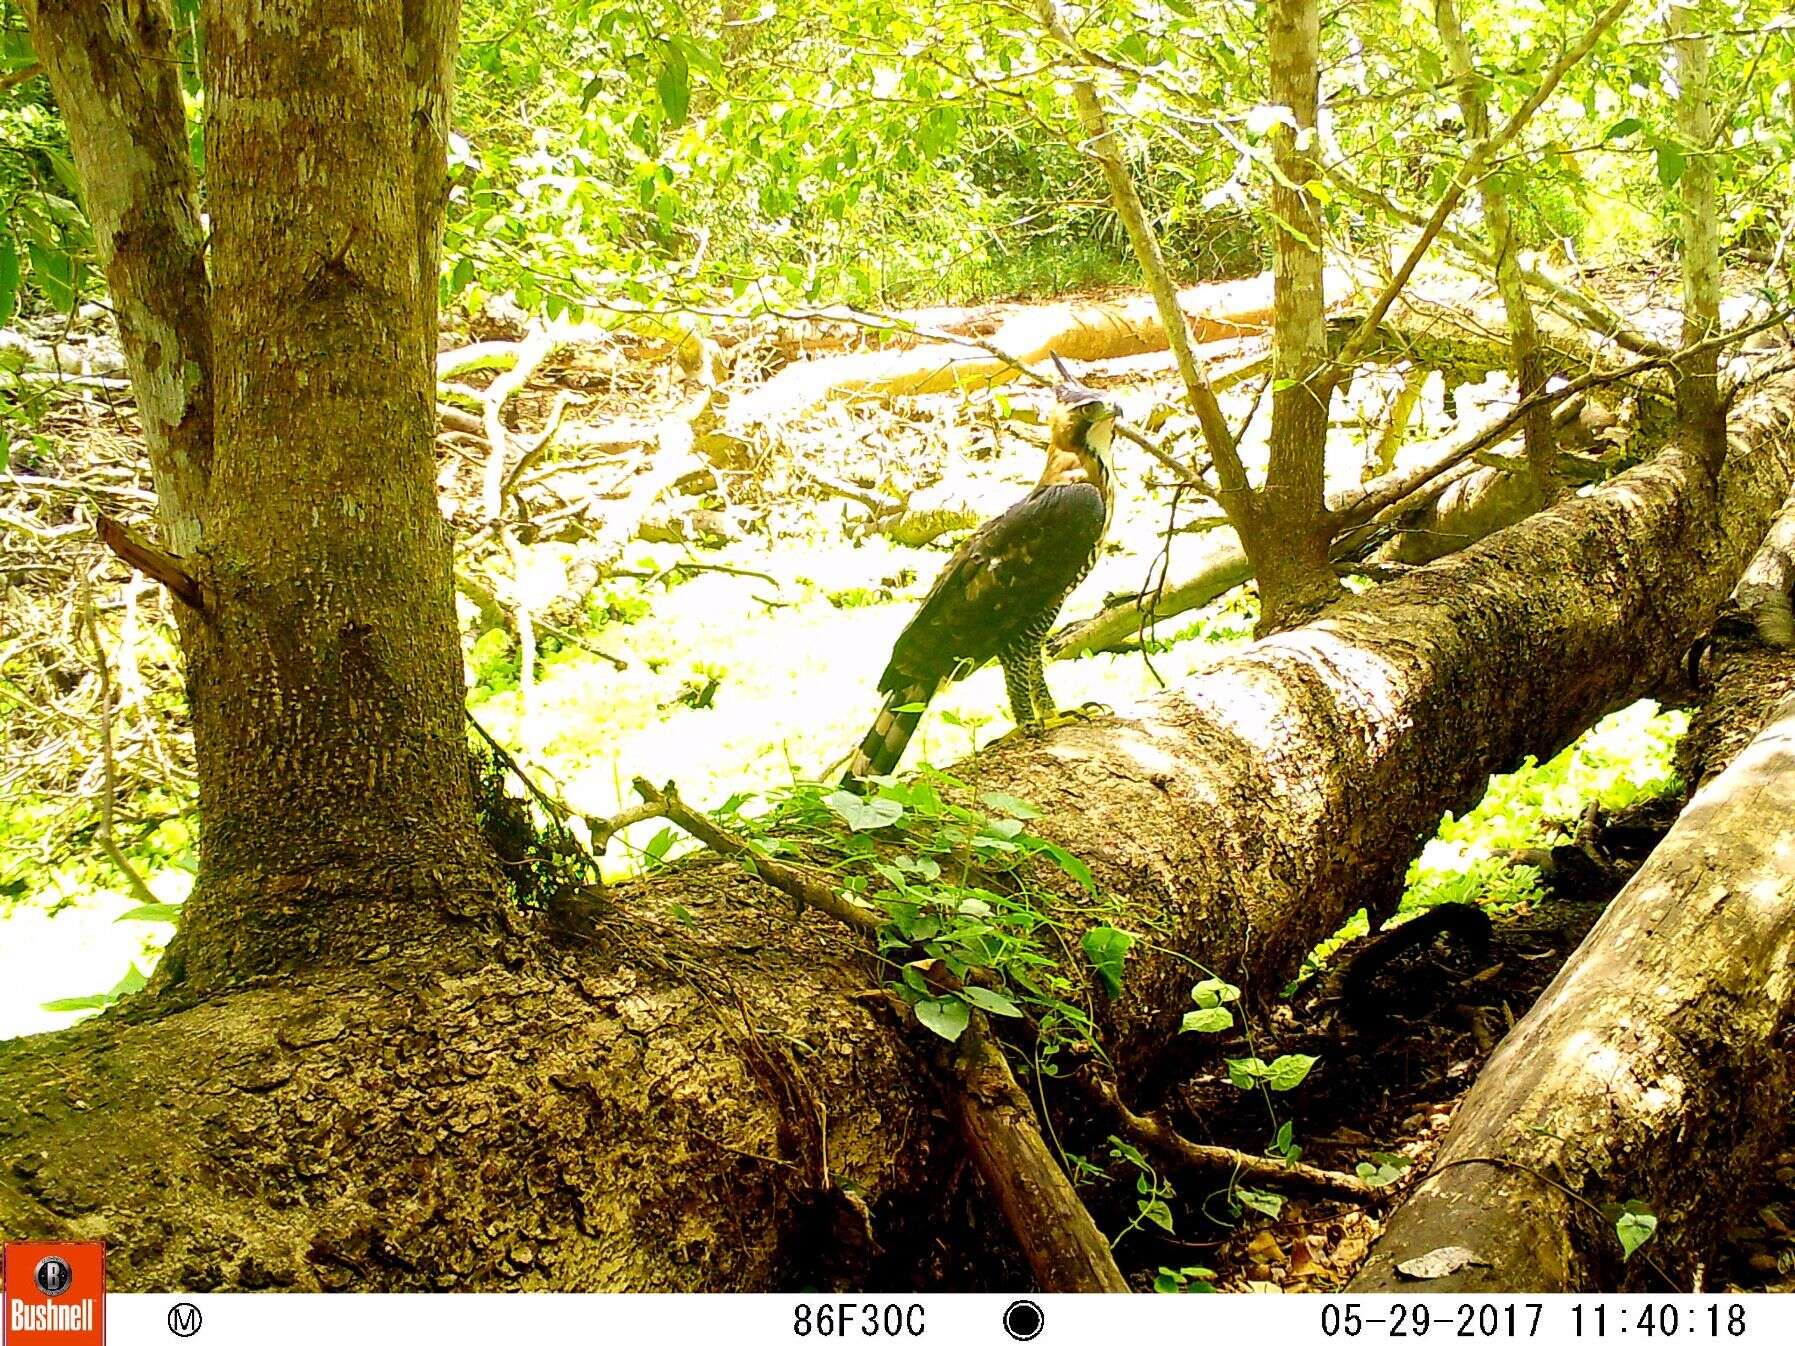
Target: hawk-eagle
1000,593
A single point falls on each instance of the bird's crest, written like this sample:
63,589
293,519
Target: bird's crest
1069,390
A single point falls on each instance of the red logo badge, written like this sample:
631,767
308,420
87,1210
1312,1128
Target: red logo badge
55,1294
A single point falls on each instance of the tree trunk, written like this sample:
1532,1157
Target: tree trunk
1765,594
1655,1068
326,680
1699,404
114,72
1745,668
721,1105
1101,144
1285,526
1523,332
290,427
432,30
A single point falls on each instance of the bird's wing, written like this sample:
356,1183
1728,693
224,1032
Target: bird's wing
1000,581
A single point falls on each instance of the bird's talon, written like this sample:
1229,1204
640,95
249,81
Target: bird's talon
1090,710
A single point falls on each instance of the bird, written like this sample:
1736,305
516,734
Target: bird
1001,591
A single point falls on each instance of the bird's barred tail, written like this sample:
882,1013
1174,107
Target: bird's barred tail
884,744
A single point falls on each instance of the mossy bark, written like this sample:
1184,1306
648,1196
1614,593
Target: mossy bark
283,368
326,681
117,81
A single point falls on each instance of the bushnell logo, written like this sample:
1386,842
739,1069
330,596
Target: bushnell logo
55,1294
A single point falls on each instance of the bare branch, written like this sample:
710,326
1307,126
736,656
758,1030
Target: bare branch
801,885
166,570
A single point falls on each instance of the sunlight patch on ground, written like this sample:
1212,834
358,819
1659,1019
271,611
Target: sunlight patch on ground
797,686
75,946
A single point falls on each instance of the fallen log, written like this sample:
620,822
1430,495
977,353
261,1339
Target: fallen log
1742,665
1220,565
1764,590
1653,1070
1076,330
402,1103
1474,501
1064,1248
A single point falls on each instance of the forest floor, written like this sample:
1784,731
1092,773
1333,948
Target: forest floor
1389,1085
732,642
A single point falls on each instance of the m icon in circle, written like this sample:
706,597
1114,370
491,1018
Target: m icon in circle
184,1319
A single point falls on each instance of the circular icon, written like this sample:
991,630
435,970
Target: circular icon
183,1319
1024,1320
54,1276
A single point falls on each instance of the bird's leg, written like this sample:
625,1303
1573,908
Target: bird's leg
1050,716
1018,681
1035,662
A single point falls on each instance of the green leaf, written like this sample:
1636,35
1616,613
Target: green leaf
64,169
1156,1210
1245,1072
1626,126
863,815
1215,1019
1009,804
1285,1139
1289,1071
992,1002
1213,991
78,1002
1074,868
153,911
130,984
1184,1281
674,84
944,1016
1266,1203
1670,163
923,867
9,278
1107,947
54,272
1383,1169
1635,1227
699,56
655,852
